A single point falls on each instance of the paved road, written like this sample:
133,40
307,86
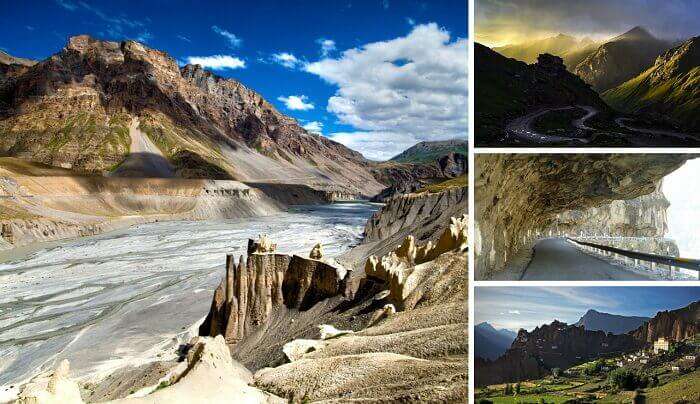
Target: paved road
557,260
658,132
145,159
522,127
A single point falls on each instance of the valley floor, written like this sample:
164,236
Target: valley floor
128,296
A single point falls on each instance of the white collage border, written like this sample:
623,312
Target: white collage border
472,151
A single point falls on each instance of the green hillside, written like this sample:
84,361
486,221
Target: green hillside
428,152
670,87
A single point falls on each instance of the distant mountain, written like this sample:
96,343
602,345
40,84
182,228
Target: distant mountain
506,89
424,152
620,59
570,49
597,321
490,343
671,86
529,51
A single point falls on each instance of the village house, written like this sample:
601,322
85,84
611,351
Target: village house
661,344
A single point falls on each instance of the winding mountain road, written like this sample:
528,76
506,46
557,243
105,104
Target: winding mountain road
555,259
522,127
657,132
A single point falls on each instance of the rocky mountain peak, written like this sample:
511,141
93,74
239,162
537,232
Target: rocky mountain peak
637,33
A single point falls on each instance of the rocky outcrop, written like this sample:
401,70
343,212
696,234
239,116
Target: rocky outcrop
518,197
254,287
57,389
414,211
556,345
413,352
674,325
401,269
642,222
207,374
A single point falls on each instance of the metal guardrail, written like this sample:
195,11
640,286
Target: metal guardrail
671,262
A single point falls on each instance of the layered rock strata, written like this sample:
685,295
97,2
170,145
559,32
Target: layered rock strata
254,287
518,197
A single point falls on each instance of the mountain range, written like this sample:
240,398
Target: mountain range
559,345
596,321
489,342
424,152
78,108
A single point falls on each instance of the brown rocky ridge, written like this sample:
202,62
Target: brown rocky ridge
558,345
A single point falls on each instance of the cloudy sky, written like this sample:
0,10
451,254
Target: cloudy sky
376,75
514,308
682,189
499,22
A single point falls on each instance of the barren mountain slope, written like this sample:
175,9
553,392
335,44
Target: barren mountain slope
74,108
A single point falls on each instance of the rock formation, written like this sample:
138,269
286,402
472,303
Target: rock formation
518,197
58,389
401,269
642,220
208,375
558,345
254,288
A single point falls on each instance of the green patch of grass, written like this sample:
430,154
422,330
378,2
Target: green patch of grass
457,182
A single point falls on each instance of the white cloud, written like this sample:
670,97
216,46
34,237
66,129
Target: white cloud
513,311
296,102
376,145
143,37
217,62
233,40
414,87
314,127
327,46
184,38
410,21
286,59
68,5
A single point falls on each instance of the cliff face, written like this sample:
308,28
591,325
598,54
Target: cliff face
642,220
518,197
73,109
674,325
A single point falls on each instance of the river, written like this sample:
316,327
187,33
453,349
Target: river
126,297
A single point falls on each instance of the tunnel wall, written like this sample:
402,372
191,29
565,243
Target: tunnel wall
518,197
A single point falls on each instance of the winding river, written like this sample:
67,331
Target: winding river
126,297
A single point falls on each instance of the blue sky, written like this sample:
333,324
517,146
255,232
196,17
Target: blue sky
376,75
528,307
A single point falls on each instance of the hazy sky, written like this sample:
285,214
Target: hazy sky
499,22
682,189
528,307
